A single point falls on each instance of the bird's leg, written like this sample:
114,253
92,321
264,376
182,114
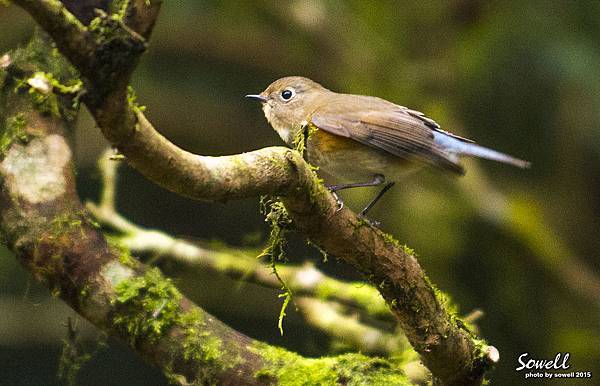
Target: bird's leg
377,180
387,187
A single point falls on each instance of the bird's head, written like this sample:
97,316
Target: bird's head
288,101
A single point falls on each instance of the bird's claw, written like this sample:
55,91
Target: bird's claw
373,223
338,201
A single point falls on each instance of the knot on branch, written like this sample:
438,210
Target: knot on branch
115,55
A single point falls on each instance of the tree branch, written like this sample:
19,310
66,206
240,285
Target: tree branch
448,349
303,280
43,222
336,299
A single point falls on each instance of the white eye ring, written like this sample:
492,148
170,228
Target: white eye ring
287,94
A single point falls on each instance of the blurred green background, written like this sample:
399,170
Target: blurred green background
519,76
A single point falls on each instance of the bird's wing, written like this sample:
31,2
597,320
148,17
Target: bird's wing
383,125
433,125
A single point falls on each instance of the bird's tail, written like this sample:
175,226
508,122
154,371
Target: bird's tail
460,147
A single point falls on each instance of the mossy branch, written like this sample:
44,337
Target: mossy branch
45,225
113,49
315,289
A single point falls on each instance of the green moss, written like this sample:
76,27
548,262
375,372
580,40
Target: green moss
123,252
317,188
480,346
389,239
14,130
300,143
126,259
85,291
64,223
74,355
45,91
324,254
361,223
132,100
117,49
105,27
119,8
199,345
40,91
146,306
62,231
302,137
208,351
42,51
279,219
74,88
408,250
287,368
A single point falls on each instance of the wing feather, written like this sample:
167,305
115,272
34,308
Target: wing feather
383,125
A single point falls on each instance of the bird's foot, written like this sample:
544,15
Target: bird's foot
374,223
338,200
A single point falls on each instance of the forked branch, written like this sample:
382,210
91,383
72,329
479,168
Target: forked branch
107,50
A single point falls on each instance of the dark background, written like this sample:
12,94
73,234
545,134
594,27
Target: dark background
519,76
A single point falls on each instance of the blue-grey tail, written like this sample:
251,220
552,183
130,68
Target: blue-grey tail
457,147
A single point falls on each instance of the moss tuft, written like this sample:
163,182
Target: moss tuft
64,223
280,222
146,306
123,252
132,102
119,8
13,130
302,137
389,239
287,368
55,83
74,355
147,309
45,90
200,345
408,250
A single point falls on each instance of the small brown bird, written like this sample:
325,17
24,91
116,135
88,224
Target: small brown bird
364,140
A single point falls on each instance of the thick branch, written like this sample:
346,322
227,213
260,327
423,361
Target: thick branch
446,347
303,280
57,21
337,299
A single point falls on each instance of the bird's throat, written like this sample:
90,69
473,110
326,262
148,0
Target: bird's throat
287,134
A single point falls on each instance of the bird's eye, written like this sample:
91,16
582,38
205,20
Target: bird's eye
287,94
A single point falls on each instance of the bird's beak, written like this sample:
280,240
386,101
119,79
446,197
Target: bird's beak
257,97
